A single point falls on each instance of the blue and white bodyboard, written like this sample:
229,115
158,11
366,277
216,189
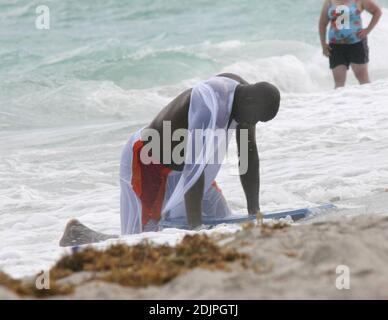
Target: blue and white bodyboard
295,215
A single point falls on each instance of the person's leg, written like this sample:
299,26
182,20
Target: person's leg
339,63
214,204
77,234
359,58
361,72
339,74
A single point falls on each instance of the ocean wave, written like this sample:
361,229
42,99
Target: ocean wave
78,102
322,145
71,96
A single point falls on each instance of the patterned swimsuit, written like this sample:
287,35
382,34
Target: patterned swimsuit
345,23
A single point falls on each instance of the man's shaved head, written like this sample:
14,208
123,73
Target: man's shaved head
254,103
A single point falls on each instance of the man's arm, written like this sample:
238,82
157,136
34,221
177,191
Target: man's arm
371,7
193,203
250,180
323,22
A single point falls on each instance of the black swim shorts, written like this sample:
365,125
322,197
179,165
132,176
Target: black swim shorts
345,54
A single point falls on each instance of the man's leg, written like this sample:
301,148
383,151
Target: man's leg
214,204
339,74
361,72
77,234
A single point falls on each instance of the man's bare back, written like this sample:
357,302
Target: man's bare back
176,113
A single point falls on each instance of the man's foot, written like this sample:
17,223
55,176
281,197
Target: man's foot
77,234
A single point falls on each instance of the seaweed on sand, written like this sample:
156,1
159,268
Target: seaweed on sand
136,266
145,264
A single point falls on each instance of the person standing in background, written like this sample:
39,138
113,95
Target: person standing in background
348,40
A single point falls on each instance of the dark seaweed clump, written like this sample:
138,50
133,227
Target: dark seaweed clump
136,266
145,264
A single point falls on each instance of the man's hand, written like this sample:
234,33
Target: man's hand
260,217
362,34
326,50
373,8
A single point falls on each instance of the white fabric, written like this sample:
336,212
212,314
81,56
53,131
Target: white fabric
210,108
214,204
130,205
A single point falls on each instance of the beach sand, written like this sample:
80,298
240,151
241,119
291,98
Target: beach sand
297,262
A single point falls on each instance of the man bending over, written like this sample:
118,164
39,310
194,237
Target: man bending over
166,169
